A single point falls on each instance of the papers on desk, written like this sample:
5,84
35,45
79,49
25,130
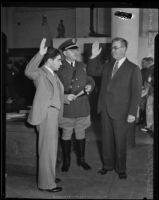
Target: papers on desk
15,115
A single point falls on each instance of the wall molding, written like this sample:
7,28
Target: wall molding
23,10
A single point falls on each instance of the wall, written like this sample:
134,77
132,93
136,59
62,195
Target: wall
82,22
3,20
24,30
102,21
128,29
147,31
24,25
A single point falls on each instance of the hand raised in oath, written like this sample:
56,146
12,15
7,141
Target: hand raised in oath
43,48
95,49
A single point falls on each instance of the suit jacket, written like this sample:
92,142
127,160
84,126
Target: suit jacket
119,95
49,91
80,107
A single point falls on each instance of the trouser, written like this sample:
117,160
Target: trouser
114,138
149,112
142,116
48,142
78,125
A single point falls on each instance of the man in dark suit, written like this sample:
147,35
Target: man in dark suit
118,102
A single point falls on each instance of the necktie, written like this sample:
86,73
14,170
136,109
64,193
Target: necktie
115,69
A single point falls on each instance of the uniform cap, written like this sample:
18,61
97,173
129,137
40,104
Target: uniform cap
68,44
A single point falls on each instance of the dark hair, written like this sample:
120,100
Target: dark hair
51,53
122,40
148,59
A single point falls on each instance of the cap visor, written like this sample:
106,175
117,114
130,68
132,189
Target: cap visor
72,47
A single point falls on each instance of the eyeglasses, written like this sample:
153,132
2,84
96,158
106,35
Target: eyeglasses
116,48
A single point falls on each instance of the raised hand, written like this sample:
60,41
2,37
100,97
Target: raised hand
95,49
43,49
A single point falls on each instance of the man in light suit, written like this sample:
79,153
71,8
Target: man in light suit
46,111
118,102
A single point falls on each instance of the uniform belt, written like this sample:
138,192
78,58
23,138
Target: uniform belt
67,92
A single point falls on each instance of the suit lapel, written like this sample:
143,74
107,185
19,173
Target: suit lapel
52,78
60,85
48,75
110,71
65,63
120,70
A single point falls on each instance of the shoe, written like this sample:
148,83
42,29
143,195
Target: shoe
66,149
56,189
57,180
81,154
82,163
122,175
102,171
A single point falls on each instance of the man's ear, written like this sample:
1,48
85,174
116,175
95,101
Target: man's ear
64,53
49,60
125,49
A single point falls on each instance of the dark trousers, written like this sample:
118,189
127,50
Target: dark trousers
114,139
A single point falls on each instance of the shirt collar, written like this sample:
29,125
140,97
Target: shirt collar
73,62
50,70
121,61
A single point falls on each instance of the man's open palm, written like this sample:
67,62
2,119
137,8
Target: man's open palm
95,49
43,49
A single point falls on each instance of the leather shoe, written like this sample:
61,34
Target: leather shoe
84,165
56,189
57,180
102,171
122,175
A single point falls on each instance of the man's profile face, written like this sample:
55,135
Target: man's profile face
71,54
55,63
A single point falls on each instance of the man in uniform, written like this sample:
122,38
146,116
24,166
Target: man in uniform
76,116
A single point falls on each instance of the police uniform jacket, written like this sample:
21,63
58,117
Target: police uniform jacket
73,84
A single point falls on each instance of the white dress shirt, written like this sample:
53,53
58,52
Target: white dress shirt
52,72
120,62
73,62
